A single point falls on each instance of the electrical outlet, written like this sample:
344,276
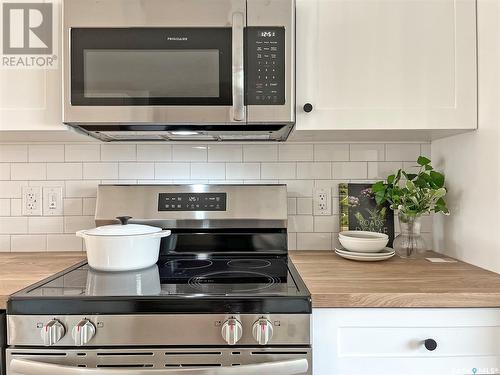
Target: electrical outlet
32,201
322,202
52,201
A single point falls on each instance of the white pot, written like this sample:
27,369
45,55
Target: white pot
122,247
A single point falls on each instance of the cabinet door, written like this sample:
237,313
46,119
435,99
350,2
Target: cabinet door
392,341
30,98
386,64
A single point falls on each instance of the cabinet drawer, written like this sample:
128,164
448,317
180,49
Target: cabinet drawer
409,341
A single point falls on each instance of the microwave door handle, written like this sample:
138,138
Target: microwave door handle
238,67
19,366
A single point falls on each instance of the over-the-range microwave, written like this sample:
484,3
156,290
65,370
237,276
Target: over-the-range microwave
179,69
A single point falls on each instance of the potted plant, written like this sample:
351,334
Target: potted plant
412,195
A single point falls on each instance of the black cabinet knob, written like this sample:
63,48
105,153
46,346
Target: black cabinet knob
308,107
124,219
430,344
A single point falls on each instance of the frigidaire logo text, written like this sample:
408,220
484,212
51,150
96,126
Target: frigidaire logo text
28,35
177,38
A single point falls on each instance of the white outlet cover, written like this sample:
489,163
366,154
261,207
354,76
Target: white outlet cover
52,201
31,201
322,202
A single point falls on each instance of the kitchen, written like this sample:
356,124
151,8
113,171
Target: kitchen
359,90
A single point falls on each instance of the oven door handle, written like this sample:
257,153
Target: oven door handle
20,366
238,67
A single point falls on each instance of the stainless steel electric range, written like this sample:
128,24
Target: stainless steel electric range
223,299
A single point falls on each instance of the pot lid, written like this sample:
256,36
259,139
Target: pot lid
123,229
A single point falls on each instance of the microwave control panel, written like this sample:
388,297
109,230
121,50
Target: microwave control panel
265,70
192,202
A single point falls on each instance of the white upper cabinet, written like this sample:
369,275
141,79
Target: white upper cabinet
30,98
386,64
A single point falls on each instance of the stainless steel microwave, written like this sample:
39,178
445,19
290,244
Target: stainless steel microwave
179,69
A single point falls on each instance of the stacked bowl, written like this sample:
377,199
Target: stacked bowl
364,246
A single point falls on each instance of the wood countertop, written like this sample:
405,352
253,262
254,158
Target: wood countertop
337,282
19,270
332,281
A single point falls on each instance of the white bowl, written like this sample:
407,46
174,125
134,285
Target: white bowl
362,241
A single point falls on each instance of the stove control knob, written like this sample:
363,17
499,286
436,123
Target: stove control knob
232,331
52,332
83,332
262,331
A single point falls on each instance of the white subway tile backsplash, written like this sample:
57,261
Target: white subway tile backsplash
314,171
13,153
382,169
367,152
174,171
76,189
235,171
425,150
314,241
295,152
82,152
208,171
79,168
292,206
45,153
4,243
64,242
304,206
278,170
13,225
225,153
153,152
11,189
64,171
349,170
118,152
326,223
4,207
47,224
4,171
88,206
28,171
72,206
300,223
331,152
189,153
72,224
137,170
255,152
402,151
98,171
28,242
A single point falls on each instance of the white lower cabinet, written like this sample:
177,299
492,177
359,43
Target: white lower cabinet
392,341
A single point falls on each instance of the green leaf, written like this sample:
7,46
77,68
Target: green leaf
428,167
378,186
411,176
390,179
422,160
437,178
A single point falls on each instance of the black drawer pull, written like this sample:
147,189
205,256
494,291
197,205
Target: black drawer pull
430,344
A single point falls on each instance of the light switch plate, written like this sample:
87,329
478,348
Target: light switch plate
52,201
31,201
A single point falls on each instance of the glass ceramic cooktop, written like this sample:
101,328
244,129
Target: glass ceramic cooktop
181,276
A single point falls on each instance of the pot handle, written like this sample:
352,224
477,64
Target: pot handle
124,219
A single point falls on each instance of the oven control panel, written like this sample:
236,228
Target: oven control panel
192,201
265,70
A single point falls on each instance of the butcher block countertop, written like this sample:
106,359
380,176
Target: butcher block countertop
332,281
19,270
337,282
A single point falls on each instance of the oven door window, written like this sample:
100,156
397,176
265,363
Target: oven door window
151,66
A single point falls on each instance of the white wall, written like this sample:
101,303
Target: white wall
472,162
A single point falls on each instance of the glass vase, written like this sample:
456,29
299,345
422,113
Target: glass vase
409,243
